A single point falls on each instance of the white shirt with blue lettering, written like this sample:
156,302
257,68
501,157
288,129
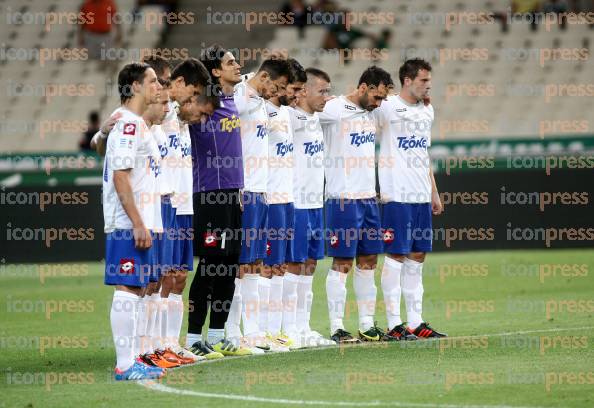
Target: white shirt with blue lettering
308,153
254,137
280,155
404,135
183,195
349,142
172,161
131,146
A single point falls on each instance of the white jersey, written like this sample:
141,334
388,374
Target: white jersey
183,196
280,155
131,145
308,153
165,179
404,136
172,164
349,141
254,137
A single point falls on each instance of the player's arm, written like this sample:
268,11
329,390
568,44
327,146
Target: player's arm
436,205
121,181
99,140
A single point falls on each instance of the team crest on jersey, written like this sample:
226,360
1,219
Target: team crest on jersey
268,249
130,129
334,241
388,236
127,266
210,240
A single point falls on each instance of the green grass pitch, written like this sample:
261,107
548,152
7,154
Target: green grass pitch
521,324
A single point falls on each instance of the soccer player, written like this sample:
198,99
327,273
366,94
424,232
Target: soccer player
352,212
188,79
307,246
410,195
281,210
249,96
130,213
148,330
218,179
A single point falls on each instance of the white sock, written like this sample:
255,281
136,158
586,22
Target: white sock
152,308
123,327
155,333
175,316
336,292
366,293
391,287
275,308
303,301
290,282
164,310
412,289
250,299
264,293
215,335
141,324
192,338
234,318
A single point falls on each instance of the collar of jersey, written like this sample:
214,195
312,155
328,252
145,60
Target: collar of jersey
406,103
348,101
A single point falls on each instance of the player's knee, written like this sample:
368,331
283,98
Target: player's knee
342,265
396,257
417,256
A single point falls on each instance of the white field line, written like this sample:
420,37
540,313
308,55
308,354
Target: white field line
155,386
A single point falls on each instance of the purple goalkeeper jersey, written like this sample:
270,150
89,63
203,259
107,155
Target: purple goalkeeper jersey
216,150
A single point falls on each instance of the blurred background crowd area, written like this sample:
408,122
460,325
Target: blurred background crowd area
502,69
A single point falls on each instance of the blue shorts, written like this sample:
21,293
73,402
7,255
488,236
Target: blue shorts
165,242
183,256
407,227
308,242
253,227
280,233
353,228
124,264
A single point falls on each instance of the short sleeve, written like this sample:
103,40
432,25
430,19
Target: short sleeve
123,141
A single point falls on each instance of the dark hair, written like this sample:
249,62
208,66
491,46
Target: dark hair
296,71
192,71
212,58
318,73
275,68
410,69
93,116
131,73
375,76
158,63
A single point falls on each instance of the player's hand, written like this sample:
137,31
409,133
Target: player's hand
427,100
110,123
142,238
436,206
241,200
